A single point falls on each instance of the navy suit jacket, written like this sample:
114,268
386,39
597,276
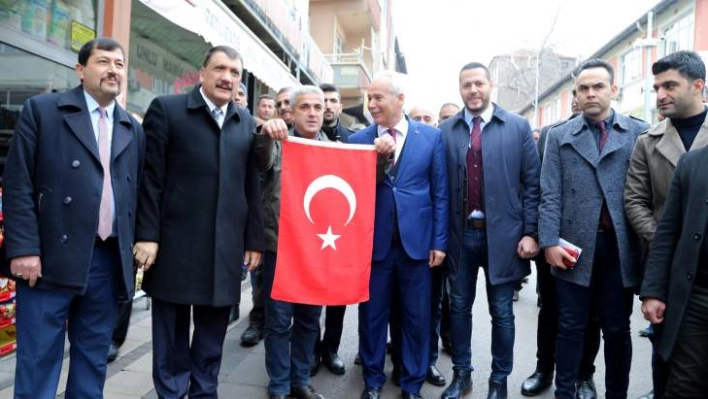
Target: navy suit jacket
418,195
52,188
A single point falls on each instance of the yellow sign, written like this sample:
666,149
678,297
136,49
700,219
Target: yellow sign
80,34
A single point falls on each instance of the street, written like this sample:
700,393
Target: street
243,373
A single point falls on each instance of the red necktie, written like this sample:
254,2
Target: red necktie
476,133
603,135
105,214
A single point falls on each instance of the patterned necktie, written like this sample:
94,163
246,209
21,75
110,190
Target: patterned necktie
105,214
476,133
217,113
603,135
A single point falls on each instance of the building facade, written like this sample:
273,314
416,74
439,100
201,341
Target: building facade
675,25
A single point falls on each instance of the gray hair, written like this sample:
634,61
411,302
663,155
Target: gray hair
306,89
395,80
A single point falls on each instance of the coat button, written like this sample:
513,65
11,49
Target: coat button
64,238
67,200
689,276
697,236
75,163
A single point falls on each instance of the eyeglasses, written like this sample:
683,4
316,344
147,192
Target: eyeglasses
280,104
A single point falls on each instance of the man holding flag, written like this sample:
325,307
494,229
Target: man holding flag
312,246
410,236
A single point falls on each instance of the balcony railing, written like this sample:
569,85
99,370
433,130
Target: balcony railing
350,69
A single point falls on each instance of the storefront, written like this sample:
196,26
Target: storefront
38,44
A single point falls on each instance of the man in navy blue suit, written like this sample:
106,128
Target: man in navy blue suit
410,236
71,185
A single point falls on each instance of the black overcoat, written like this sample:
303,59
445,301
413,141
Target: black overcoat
675,250
200,200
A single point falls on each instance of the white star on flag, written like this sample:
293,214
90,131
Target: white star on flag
328,239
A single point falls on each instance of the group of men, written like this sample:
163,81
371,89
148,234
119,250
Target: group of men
193,195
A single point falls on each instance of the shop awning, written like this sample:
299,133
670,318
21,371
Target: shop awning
217,25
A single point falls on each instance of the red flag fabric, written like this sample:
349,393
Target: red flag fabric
326,224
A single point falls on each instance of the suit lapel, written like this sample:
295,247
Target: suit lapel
80,125
616,139
122,134
583,141
670,145
408,152
702,136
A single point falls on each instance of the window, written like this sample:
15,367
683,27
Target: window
631,66
679,35
552,111
338,43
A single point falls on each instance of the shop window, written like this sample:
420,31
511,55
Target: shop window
63,24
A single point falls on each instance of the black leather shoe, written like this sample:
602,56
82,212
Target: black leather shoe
112,352
407,395
435,377
334,363
314,365
497,390
396,376
305,392
371,393
252,335
586,389
536,383
460,386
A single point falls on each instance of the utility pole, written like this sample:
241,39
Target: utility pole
648,44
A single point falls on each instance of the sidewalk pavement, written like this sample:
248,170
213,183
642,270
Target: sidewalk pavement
243,373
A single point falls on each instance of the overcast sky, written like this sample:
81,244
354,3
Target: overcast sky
437,37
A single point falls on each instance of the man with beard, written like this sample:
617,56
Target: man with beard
69,224
582,201
256,317
493,168
333,126
679,79
200,219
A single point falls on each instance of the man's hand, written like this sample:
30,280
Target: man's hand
252,259
555,256
145,253
27,268
385,145
436,258
276,129
653,310
527,248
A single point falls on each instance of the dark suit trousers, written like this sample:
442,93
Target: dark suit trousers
613,304
120,331
548,327
43,319
412,277
688,363
179,368
334,324
257,315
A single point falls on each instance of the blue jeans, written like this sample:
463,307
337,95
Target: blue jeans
463,288
612,302
291,330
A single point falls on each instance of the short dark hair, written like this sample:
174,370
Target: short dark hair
475,65
688,64
329,88
229,51
101,43
264,97
596,63
449,105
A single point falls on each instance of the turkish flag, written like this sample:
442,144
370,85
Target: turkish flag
326,223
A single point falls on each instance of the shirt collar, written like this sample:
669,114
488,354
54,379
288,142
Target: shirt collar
92,105
608,121
401,127
210,104
486,115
